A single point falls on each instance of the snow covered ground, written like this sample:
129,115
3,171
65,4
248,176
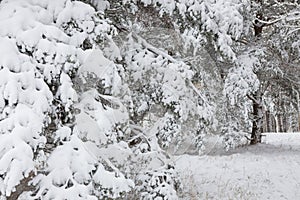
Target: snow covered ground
266,171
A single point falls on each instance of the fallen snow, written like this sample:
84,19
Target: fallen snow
265,171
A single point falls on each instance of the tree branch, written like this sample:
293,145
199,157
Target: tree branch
267,23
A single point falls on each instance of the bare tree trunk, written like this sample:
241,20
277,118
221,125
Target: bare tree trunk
265,126
257,118
298,127
298,109
280,123
276,123
268,121
273,123
285,124
258,26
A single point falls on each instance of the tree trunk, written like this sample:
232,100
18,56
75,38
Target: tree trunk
298,123
276,124
257,25
298,109
268,121
273,123
285,124
280,123
257,118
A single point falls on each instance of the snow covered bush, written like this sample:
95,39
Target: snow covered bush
233,138
159,185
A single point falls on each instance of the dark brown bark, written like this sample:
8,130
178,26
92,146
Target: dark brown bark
258,26
23,186
257,118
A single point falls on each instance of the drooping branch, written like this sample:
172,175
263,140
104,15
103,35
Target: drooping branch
166,56
267,23
259,22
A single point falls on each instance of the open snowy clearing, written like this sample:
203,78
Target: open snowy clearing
265,171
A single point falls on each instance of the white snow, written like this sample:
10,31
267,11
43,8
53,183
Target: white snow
265,171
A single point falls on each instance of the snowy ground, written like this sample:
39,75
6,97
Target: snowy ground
266,171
